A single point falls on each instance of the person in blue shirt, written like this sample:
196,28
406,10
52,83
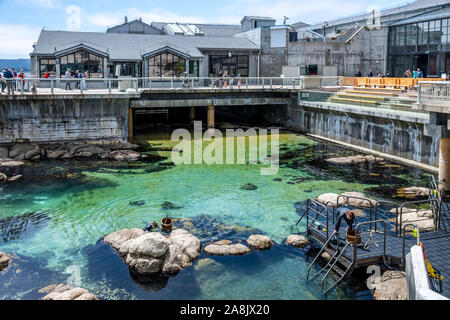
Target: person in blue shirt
419,73
347,215
9,78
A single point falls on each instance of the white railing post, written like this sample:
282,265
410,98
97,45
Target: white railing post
270,83
109,86
246,83
419,93
52,86
137,85
171,83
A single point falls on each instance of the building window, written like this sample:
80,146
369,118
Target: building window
309,70
194,69
47,65
234,65
83,61
166,65
124,69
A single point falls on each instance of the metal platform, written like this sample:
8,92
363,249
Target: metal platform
385,240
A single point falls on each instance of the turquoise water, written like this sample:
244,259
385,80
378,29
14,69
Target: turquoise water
54,218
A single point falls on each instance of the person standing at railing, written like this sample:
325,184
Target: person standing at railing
9,78
370,74
21,75
2,82
46,75
419,73
68,76
13,71
408,74
358,73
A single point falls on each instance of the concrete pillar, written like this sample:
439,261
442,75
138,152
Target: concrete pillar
210,117
192,115
130,124
444,166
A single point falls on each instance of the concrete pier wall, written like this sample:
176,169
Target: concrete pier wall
413,139
50,119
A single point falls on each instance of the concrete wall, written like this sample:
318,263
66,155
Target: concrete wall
409,140
367,50
57,119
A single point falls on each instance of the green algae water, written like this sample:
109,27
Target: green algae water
52,221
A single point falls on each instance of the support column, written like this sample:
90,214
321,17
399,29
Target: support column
192,115
444,166
130,124
210,117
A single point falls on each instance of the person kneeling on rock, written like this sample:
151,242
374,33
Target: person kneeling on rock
344,214
151,227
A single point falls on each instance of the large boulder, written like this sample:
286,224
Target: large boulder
3,177
123,155
116,239
413,192
11,164
423,219
259,241
14,178
297,241
66,292
364,202
25,151
151,253
4,260
390,286
330,199
227,249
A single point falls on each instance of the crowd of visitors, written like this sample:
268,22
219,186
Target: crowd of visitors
370,74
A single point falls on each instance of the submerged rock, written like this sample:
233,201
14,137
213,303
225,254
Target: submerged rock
227,250
390,286
259,241
167,205
3,177
137,203
123,155
297,241
66,292
208,265
249,186
152,253
4,260
15,178
354,160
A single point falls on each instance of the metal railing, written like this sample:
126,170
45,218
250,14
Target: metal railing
369,232
137,85
404,236
435,208
434,93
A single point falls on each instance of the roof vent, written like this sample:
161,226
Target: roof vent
126,19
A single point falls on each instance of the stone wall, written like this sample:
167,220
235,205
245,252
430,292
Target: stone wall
38,119
409,140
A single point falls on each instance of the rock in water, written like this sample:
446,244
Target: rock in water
14,178
297,241
3,177
24,151
3,153
330,199
390,286
260,241
413,192
4,260
364,202
152,252
124,155
227,250
116,239
249,186
137,203
354,160
167,205
66,292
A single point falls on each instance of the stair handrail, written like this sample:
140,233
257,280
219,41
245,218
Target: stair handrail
403,239
324,207
331,268
320,252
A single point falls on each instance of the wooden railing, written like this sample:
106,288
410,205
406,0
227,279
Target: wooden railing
408,83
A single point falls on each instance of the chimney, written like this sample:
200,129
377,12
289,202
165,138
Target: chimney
126,19
140,19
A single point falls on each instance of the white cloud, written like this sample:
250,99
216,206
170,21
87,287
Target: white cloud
41,3
17,40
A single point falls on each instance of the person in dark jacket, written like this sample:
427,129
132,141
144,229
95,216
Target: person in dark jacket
344,214
9,78
358,73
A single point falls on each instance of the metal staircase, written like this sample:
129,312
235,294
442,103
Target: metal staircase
338,267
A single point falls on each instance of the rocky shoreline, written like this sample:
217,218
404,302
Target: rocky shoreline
16,153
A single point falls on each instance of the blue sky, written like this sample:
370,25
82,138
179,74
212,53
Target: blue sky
22,20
